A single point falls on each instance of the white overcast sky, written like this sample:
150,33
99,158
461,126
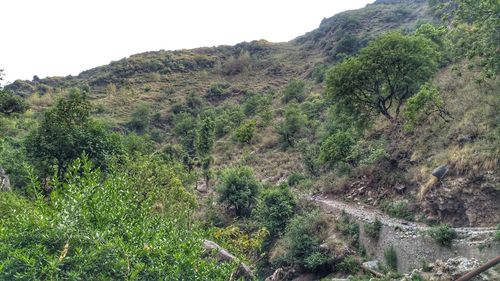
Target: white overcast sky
62,37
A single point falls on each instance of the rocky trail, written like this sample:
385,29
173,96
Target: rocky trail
367,214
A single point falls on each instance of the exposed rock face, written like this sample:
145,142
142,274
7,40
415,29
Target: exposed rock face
4,181
243,271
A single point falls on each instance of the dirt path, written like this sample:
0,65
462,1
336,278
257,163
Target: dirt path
367,213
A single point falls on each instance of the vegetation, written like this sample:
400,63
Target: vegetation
10,103
372,229
275,207
238,189
391,258
443,234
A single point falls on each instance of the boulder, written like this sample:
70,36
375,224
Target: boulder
4,181
242,272
372,265
440,171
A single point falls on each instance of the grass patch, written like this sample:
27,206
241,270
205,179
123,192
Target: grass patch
391,258
372,229
443,234
398,210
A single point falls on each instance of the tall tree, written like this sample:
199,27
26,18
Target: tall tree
205,144
65,132
384,75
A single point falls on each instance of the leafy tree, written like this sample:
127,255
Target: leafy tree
275,207
10,103
295,90
205,144
426,102
384,75
238,189
291,128
64,133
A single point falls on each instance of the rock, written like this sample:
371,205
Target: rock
242,272
202,187
400,188
278,275
4,181
440,171
372,265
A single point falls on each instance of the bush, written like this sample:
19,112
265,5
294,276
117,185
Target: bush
113,227
295,90
244,133
443,234
398,210
391,258
337,147
218,91
141,117
238,189
349,265
290,130
302,239
295,178
275,208
10,103
372,229
348,228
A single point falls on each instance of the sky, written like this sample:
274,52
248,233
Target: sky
65,37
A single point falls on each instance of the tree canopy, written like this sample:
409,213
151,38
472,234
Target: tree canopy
384,75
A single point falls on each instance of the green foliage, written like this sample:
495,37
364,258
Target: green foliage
141,118
443,234
397,210
391,258
319,72
295,178
295,90
475,33
238,189
337,147
13,160
349,265
97,227
372,229
245,131
218,91
256,103
10,103
387,72
186,129
205,144
275,207
302,239
348,228
291,129
366,152
497,233
422,105
64,133
310,157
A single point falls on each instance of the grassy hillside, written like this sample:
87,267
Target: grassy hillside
233,140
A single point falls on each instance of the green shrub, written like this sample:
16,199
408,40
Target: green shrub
275,207
391,258
349,265
218,91
141,117
295,90
10,103
105,227
372,229
398,210
256,103
497,233
301,241
292,128
348,228
443,234
337,147
245,131
295,178
238,189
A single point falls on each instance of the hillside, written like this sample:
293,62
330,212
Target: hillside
235,144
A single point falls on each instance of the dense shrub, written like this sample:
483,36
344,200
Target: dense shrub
141,117
295,90
10,103
291,129
443,234
218,91
337,147
398,210
238,189
245,131
302,239
349,265
274,208
96,227
348,228
295,178
372,229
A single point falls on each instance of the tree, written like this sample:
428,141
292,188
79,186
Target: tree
245,131
65,132
295,90
238,189
10,103
384,75
291,128
205,144
186,129
275,208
